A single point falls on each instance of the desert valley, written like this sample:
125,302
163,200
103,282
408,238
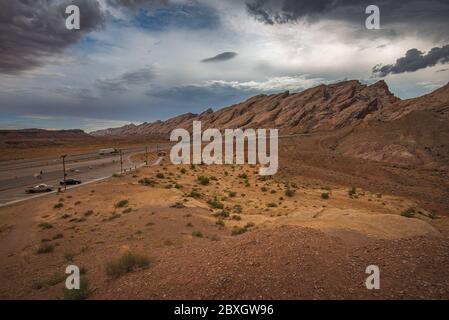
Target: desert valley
363,180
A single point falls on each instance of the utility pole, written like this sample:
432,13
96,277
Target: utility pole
146,156
121,161
63,168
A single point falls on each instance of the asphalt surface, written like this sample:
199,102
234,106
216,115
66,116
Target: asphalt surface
17,176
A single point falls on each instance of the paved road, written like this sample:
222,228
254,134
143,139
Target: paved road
16,176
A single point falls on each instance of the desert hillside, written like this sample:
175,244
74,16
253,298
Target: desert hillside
208,232
322,108
366,122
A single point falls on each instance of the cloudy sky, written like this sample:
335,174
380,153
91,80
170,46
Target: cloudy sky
144,60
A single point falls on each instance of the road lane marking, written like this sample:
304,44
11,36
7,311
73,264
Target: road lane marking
157,162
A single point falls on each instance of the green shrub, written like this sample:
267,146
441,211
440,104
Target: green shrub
197,234
243,176
45,225
121,204
409,213
215,204
232,194
160,176
272,205
194,194
147,182
128,262
58,205
45,248
238,231
203,180
237,208
222,214
325,196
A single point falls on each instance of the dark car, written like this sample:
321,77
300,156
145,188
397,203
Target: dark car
70,182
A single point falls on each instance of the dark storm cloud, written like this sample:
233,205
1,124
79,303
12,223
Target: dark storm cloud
33,31
225,56
431,17
414,60
271,12
121,83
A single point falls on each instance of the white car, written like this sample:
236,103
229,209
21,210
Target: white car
40,188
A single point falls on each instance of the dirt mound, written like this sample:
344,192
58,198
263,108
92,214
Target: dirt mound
420,138
292,263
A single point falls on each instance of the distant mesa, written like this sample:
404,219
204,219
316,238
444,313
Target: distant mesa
35,134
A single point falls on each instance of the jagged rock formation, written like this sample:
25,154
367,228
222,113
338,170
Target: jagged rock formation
323,108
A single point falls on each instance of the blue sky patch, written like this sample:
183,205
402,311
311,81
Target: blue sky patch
178,16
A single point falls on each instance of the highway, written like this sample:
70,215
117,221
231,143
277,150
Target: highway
17,176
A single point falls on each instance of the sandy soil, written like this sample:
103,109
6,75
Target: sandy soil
238,236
